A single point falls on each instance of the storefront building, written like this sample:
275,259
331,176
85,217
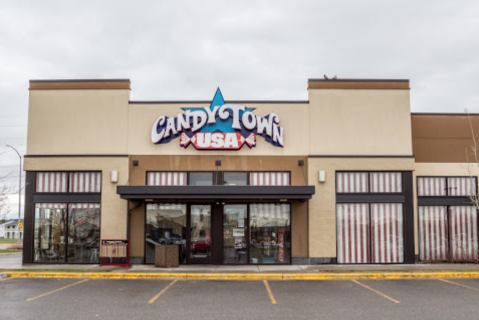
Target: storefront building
348,176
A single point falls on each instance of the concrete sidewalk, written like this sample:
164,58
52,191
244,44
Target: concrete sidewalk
14,262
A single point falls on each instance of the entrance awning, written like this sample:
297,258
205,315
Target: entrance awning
215,192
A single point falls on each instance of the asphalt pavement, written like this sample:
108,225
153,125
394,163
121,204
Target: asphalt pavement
186,299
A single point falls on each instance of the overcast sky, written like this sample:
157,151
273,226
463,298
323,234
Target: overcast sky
182,50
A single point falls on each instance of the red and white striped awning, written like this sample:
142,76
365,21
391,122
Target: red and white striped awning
85,182
269,179
51,205
387,239
269,211
51,182
352,182
84,206
167,179
461,186
386,182
431,186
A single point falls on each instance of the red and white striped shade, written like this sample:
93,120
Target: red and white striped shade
431,187
51,205
85,182
269,179
167,179
271,211
166,206
461,186
433,233
352,182
51,182
84,206
386,182
387,239
463,233
353,233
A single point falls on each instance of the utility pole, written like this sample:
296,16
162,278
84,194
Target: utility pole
19,191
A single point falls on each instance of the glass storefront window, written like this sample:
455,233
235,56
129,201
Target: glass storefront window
235,179
200,245
165,224
270,233
50,237
201,179
83,233
235,244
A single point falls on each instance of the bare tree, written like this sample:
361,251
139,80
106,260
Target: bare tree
5,190
473,164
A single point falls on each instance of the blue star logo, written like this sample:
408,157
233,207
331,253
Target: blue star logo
221,125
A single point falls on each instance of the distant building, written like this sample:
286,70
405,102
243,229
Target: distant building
9,230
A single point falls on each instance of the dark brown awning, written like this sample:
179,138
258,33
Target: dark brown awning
216,192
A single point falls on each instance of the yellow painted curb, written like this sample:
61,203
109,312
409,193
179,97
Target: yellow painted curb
247,276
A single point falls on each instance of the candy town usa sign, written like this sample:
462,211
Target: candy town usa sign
218,127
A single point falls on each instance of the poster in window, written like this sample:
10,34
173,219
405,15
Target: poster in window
238,243
238,232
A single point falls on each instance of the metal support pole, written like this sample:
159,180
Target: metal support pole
19,190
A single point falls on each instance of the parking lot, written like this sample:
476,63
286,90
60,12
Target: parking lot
188,299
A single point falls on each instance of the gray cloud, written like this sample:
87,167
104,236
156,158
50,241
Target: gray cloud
251,49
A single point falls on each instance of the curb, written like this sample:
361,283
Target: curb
246,276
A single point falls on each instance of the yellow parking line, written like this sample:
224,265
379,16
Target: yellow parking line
269,292
161,292
373,290
458,284
46,294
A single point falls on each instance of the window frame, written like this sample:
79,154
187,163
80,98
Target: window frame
218,176
369,183
68,192
447,206
67,216
447,186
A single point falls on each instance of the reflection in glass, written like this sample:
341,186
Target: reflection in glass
270,236
165,224
201,179
200,246
234,234
84,233
235,178
50,232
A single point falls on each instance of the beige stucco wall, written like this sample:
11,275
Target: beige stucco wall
438,169
334,122
293,119
113,209
322,207
78,122
359,122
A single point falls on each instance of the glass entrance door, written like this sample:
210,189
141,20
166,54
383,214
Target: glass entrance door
235,245
200,234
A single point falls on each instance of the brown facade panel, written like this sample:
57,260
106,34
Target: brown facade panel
79,84
299,210
443,138
358,84
228,163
